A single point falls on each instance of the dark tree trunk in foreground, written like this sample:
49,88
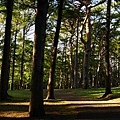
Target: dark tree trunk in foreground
6,53
36,108
50,86
107,62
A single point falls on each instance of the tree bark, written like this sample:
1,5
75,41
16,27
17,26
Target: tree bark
22,61
6,53
87,47
36,108
107,61
13,62
50,86
75,84
71,62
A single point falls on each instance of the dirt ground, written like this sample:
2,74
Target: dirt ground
67,106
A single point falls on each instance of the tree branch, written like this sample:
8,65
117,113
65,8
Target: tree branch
81,31
3,11
94,5
26,5
91,5
83,2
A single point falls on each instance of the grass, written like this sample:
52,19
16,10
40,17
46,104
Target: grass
90,93
69,103
23,94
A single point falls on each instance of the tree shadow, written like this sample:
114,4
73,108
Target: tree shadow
18,108
98,113
83,111
67,111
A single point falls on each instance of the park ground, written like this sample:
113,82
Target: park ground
70,104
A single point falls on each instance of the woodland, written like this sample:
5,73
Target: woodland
58,44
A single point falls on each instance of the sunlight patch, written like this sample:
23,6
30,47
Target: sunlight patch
14,114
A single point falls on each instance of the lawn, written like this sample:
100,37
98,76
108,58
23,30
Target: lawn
69,104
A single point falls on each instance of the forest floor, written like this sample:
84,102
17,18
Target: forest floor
67,106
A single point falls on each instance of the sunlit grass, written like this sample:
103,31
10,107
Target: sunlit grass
92,93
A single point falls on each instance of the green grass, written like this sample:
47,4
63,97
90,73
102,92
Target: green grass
91,93
20,93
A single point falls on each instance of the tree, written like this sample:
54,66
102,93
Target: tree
6,53
23,19
22,61
50,86
36,108
87,47
87,43
13,61
75,82
107,61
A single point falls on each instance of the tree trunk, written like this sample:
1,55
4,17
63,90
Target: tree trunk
50,86
100,67
118,71
75,84
87,49
36,108
22,62
61,79
6,53
71,61
13,62
107,61
65,63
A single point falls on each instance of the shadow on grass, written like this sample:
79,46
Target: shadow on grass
66,112
23,108
98,113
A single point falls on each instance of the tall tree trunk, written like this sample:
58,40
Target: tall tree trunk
50,86
71,61
100,67
61,79
6,53
13,62
65,68
118,70
22,61
87,48
36,108
107,61
75,84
